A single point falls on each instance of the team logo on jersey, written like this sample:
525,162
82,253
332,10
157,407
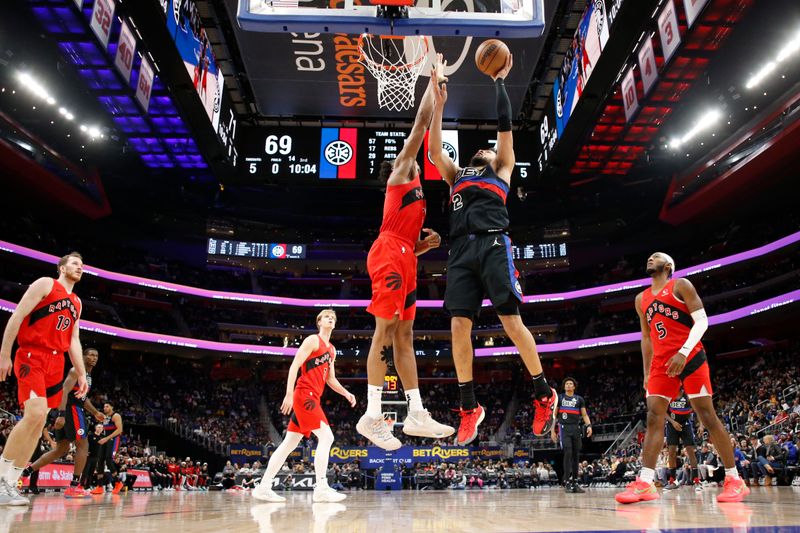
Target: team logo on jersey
518,287
394,281
309,404
564,416
80,432
24,370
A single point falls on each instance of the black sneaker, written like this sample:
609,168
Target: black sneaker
671,486
576,489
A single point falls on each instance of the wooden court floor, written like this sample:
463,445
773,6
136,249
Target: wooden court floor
768,509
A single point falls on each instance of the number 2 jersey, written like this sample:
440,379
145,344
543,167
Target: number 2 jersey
669,320
49,325
478,202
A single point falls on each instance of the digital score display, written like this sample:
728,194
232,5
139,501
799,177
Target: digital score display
297,153
528,252
260,250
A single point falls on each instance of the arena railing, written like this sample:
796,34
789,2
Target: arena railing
318,303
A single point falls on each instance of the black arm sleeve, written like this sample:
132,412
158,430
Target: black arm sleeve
503,106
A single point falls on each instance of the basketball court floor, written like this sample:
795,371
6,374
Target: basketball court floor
768,509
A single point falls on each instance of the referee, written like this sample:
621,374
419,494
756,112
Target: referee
570,412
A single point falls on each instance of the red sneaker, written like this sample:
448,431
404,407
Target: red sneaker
98,490
468,428
638,491
734,490
544,415
76,492
117,487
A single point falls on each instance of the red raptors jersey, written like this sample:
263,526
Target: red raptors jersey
314,370
404,210
49,326
669,320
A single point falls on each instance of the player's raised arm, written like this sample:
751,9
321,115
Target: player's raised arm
446,166
504,164
408,155
310,344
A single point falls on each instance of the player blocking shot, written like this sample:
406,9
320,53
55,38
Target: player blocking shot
45,325
315,361
480,260
392,266
673,321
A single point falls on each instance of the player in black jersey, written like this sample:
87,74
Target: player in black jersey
71,426
570,412
109,446
679,430
480,260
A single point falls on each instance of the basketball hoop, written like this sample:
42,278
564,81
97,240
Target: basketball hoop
396,63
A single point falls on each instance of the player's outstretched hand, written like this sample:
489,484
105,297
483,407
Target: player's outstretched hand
675,365
432,240
437,70
83,386
351,398
503,72
286,405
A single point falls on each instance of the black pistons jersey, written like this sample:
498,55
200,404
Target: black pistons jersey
569,409
680,409
478,202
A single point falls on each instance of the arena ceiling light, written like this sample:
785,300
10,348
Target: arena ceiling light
708,119
788,50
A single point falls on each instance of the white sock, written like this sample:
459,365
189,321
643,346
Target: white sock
732,472
5,467
13,475
414,400
374,394
647,474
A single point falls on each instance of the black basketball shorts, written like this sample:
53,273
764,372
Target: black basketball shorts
480,265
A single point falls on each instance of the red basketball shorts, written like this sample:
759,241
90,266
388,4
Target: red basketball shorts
695,378
307,414
40,374
392,267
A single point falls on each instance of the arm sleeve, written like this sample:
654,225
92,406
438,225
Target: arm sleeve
503,106
696,333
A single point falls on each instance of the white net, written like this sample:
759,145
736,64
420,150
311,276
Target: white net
396,63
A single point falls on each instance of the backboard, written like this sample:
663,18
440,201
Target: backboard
477,18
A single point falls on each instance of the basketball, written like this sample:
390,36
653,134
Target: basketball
490,56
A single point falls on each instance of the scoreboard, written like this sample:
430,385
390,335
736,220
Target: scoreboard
550,250
263,250
318,154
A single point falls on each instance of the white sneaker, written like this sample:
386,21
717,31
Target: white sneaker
327,494
376,430
422,424
9,495
264,493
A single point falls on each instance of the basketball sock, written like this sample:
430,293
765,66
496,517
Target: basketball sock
647,474
414,400
28,471
540,387
374,393
321,459
5,467
732,472
13,475
467,391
